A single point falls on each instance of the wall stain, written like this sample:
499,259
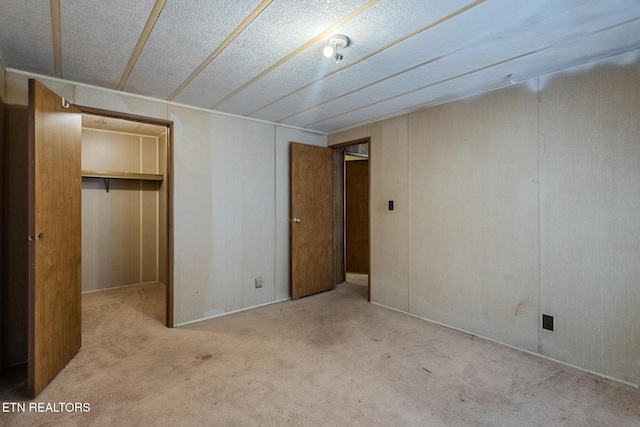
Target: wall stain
521,305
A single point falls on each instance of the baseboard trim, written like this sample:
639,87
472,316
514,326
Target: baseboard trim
120,287
230,312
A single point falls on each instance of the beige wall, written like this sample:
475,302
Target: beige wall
120,228
590,219
516,203
389,240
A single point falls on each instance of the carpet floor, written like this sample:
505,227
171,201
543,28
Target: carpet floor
331,359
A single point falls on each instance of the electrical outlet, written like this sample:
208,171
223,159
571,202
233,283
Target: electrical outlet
258,282
547,322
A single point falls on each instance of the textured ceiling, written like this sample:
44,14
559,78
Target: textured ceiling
263,59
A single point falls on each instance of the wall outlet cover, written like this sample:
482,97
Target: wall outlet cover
547,322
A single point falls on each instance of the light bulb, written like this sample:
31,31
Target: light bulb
328,51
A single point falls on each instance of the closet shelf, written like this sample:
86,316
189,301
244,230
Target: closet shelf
120,175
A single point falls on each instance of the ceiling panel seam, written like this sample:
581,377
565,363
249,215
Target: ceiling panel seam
418,107
351,92
305,46
568,40
142,40
614,26
377,52
407,70
54,10
533,52
239,29
342,95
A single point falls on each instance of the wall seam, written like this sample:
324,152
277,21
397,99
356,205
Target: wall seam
539,154
141,211
408,215
275,211
157,197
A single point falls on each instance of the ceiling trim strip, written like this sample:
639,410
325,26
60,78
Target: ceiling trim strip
54,9
372,54
142,40
240,28
305,46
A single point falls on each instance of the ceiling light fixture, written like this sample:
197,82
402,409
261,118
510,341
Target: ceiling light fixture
336,43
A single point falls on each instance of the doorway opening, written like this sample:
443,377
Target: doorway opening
126,208
352,230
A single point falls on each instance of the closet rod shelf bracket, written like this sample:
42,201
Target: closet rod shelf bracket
107,176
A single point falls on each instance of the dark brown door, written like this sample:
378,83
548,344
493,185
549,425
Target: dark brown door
54,233
311,220
357,216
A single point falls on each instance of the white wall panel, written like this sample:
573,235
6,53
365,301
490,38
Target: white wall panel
590,219
242,160
389,175
473,230
193,284
224,213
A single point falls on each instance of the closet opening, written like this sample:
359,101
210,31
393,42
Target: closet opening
126,205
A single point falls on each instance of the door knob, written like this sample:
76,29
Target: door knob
296,220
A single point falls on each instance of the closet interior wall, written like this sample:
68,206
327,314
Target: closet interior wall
123,229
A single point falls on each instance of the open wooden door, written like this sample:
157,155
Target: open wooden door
357,216
311,220
55,132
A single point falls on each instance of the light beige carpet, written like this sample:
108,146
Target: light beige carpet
327,360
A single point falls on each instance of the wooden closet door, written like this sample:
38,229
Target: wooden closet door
55,132
311,220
